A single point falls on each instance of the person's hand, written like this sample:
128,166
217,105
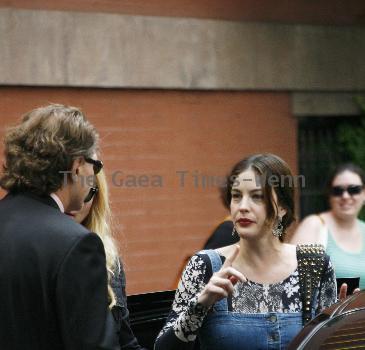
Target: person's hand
343,291
221,284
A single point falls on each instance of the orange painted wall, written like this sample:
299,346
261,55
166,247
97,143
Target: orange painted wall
294,11
160,133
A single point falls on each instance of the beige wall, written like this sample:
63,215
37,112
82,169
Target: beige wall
54,48
159,133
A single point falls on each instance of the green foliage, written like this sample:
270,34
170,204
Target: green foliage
352,139
360,100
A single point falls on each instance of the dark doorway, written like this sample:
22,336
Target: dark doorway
319,152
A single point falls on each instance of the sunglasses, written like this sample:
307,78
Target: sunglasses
93,191
97,164
338,191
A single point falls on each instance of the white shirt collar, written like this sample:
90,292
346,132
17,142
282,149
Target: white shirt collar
58,201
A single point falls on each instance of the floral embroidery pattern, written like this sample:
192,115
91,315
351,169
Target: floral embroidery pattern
186,316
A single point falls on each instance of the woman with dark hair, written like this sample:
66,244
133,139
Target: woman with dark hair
339,228
259,293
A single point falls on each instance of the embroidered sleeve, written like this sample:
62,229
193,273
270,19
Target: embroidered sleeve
328,289
186,316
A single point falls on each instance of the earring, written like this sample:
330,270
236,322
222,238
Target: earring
234,232
278,228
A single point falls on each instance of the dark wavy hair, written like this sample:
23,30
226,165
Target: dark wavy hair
339,169
269,167
43,146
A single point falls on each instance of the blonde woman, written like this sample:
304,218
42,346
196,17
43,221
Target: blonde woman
96,217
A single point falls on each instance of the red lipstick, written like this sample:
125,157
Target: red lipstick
245,222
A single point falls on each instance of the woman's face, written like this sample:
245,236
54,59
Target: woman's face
346,206
79,216
248,208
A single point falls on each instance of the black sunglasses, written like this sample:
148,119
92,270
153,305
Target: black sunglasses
337,191
97,164
93,191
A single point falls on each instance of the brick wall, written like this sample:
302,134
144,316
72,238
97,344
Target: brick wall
295,11
157,134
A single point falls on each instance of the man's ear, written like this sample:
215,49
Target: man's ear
75,169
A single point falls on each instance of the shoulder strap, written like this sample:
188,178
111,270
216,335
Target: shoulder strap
216,263
311,266
324,231
214,258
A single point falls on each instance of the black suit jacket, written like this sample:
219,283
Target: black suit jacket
53,280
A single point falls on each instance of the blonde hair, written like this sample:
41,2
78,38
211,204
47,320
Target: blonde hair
99,221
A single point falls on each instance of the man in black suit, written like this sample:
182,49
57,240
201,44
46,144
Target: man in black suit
53,279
